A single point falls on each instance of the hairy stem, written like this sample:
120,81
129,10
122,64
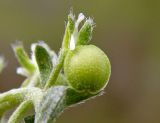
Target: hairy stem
55,72
14,97
65,46
20,112
10,99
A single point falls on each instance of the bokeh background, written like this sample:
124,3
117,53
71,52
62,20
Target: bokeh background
127,30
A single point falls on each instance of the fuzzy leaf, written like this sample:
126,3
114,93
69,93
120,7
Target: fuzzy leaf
52,104
55,101
44,62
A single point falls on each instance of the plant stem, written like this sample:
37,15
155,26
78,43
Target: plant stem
55,72
20,112
65,46
10,99
14,97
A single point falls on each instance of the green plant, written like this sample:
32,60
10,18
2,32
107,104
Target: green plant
54,83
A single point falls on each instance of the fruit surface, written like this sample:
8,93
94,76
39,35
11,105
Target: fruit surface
87,68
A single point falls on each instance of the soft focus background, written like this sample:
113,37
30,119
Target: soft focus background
127,30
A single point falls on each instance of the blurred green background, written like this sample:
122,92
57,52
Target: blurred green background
127,30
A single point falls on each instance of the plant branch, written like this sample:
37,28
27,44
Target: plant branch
20,112
11,99
55,72
65,46
14,97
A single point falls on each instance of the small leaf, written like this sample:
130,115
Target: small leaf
55,101
44,62
85,33
23,58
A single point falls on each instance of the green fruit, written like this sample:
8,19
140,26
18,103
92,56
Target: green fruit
87,68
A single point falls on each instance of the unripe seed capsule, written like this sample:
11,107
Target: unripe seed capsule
87,68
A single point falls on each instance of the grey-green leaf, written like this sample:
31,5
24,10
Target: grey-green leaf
52,104
44,62
55,101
